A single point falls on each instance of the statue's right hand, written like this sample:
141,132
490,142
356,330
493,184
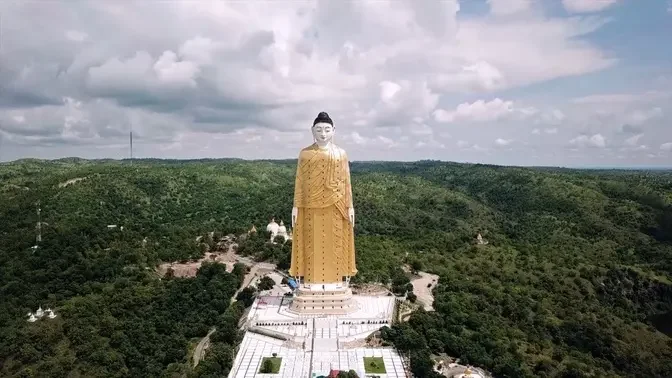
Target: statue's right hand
295,214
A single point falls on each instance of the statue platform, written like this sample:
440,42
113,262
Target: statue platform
314,342
326,299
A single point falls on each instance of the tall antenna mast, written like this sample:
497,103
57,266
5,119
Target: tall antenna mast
131,138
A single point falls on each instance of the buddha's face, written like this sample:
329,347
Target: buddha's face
323,132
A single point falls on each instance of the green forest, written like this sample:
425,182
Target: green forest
575,281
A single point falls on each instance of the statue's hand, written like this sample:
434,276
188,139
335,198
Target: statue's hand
351,215
295,214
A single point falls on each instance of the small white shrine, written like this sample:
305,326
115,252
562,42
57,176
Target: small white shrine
278,230
40,313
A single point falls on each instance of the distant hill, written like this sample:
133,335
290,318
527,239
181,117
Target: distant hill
575,278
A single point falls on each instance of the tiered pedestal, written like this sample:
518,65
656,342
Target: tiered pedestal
327,299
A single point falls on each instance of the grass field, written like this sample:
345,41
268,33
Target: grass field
374,365
275,361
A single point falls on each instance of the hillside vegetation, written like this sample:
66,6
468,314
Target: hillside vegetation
576,280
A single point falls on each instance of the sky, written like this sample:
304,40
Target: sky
571,83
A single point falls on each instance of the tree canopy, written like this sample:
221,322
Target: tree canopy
575,279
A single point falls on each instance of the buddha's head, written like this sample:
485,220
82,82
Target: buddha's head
323,129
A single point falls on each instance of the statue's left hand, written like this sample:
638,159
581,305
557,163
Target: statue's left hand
351,215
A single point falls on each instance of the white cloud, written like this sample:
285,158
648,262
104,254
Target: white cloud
596,140
169,70
380,140
640,117
587,6
388,89
402,102
388,142
358,139
421,129
480,76
633,140
479,111
641,147
76,36
536,131
621,98
552,117
666,146
123,74
507,7
466,146
503,142
431,143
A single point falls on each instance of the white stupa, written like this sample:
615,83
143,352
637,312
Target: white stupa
480,240
49,313
282,231
273,228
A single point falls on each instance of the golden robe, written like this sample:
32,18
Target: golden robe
323,244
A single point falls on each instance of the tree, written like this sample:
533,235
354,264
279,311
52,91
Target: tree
416,266
411,297
267,366
246,296
422,364
266,283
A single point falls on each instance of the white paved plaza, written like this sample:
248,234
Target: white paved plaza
312,345
297,363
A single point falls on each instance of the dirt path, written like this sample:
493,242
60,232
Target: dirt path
423,286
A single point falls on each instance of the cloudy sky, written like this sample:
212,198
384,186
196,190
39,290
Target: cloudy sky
513,82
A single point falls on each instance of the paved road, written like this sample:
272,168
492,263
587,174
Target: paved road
202,345
255,266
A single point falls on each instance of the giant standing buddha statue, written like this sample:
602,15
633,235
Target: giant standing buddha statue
323,247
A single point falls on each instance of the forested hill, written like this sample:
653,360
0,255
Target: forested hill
574,280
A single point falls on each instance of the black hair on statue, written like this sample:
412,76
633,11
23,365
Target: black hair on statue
323,117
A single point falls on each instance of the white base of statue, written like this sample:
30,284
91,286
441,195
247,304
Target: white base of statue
325,299
312,343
